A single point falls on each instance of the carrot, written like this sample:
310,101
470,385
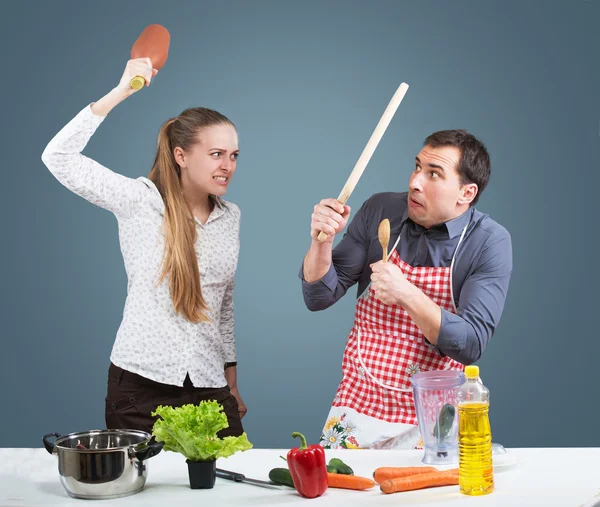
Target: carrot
349,481
384,473
420,481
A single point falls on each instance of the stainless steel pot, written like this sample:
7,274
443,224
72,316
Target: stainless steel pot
102,464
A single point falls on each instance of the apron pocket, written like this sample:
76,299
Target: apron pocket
390,359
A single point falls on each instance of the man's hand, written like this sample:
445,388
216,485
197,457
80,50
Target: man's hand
241,405
389,283
392,288
329,216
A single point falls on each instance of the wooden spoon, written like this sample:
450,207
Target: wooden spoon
384,237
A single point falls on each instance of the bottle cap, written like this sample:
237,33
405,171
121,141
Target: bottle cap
472,371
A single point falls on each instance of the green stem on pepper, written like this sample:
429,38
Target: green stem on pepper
302,439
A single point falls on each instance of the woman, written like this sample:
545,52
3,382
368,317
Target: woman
180,244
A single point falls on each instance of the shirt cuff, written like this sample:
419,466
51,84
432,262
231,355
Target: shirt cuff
453,332
90,117
433,347
230,352
329,278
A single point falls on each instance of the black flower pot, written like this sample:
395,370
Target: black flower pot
202,473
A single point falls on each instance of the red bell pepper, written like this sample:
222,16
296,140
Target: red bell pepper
308,468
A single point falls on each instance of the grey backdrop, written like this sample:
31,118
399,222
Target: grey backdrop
306,83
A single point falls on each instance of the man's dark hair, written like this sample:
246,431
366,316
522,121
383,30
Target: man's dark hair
474,165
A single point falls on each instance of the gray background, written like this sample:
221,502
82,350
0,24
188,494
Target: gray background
306,83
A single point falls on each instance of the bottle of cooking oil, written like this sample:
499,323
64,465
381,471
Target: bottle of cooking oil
475,469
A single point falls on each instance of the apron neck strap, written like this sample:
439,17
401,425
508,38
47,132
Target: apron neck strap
462,236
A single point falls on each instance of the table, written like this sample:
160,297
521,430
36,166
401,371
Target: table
537,477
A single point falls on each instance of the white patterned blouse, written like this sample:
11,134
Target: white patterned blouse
152,340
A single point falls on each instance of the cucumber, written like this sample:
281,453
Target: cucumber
281,476
443,425
339,467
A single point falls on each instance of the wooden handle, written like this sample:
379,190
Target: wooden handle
367,153
322,237
137,82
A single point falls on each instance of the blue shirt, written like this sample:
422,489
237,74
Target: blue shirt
480,276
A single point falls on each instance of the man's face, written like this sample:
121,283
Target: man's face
435,194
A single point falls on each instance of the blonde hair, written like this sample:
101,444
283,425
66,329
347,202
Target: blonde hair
179,263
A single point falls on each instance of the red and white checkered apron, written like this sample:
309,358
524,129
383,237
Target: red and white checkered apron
384,349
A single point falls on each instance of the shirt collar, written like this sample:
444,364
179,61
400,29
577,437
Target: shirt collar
219,203
454,227
159,204
218,210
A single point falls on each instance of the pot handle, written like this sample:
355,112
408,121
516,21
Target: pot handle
48,445
149,452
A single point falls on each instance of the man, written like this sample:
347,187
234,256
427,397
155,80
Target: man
434,304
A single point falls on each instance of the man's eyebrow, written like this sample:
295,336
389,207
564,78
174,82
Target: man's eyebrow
436,166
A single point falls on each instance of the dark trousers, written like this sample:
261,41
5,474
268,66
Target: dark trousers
131,398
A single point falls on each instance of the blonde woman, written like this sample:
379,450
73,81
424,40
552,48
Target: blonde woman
180,244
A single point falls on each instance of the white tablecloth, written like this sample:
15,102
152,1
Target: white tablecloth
538,477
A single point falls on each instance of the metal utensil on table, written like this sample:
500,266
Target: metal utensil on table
237,477
102,464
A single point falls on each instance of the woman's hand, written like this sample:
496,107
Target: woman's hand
138,67
241,405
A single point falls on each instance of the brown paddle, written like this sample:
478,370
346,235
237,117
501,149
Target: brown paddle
152,43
